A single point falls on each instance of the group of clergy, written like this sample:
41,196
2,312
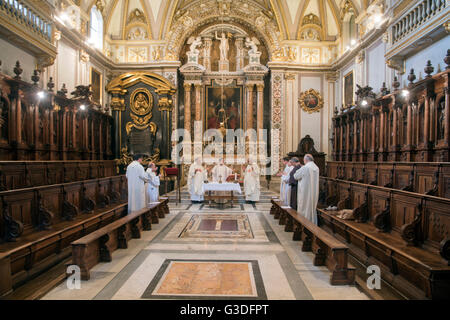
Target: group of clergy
198,175
299,188
143,185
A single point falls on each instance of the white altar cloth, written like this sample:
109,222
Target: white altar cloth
226,186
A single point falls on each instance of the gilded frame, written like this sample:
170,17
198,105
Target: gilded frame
304,104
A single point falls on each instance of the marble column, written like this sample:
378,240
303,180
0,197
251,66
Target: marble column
250,106
260,106
198,101
187,107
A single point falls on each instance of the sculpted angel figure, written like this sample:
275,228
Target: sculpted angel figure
252,43
194,42
223,46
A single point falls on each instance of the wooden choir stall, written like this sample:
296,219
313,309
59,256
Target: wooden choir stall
390,167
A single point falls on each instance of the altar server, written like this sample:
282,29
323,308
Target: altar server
136,177
153,184
220,172
196,177
308,188
251,182
285,188
295,162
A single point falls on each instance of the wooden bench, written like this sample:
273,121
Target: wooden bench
327,250
97,247
404,233
38,224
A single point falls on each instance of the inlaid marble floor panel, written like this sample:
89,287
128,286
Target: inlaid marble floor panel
199,252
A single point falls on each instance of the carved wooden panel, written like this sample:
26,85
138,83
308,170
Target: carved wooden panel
377,201
402,175
445,182
55,172
384,173
37,173
14,175
358,171
52,199
73,194
436,222
83,170
403,210
20,208
359,193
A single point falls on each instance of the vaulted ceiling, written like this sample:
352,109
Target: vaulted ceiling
155,16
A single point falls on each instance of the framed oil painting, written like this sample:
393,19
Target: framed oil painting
223,108
311,101
349,88
96,83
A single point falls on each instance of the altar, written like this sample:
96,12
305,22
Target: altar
226,190
223,92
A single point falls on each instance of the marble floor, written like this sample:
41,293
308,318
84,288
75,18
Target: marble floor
198,252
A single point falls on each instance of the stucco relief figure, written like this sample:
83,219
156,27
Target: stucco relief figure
252,44
194,43
223,46
141,103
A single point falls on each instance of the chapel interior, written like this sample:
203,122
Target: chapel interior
360,85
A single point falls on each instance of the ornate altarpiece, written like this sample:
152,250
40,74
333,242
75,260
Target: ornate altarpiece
142,104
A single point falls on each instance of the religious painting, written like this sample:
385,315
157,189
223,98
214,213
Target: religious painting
96,83
348,89
311,101
223,108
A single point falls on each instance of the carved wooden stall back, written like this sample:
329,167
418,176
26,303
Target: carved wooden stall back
305,146
391,166
39,124
407,124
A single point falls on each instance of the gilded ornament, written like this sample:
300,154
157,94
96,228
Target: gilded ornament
141,101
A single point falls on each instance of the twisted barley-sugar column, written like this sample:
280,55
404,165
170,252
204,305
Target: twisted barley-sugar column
187,106
260,106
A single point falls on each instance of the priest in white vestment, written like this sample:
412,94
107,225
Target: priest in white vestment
153,184
251,182
136,178
220,172
285,188
308,188
196,177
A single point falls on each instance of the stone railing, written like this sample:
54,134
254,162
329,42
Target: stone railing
416,17
20,12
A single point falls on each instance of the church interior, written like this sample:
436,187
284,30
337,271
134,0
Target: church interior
214,97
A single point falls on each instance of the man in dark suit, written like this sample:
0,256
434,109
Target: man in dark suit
293,182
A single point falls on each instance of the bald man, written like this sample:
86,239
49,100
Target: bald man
308,188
